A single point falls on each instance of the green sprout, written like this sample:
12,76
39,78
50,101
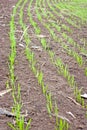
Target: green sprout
86,71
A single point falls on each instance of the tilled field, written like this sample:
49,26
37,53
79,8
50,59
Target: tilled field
43,54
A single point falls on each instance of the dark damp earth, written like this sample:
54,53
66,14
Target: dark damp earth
34,102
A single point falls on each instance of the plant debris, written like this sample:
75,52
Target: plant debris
3,92
84,96
7,113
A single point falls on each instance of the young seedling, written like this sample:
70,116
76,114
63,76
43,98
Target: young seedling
86,71
49,102
77,94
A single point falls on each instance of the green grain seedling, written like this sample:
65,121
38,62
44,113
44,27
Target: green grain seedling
7,84
20,125
43,42
86,71
40,78
49,101
51,54
77,94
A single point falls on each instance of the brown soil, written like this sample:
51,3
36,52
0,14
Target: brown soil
33,100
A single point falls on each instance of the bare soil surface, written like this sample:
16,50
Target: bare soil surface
34,102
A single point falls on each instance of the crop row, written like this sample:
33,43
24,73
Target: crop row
16,88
